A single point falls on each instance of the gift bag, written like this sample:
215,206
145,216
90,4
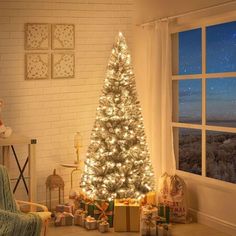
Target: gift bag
172,193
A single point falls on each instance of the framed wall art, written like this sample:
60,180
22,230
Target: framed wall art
37,66
63,65
63,36
49,51
37,36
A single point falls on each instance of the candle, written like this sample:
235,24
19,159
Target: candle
77,140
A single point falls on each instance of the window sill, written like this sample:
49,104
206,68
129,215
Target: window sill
206,181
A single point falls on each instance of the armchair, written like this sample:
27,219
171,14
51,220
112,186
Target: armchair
12,220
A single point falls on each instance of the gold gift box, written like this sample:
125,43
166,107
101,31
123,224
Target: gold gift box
126,216
151,198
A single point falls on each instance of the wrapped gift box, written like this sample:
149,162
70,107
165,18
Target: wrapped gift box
150,198
64,219
127,215
103,226
90,223
104,210
78,199
164,211
149,209
164,230
160,220
148,226
88,206
79,217
65,208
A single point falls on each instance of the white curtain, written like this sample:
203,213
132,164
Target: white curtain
158,97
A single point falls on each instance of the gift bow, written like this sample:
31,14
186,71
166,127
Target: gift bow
81,196
80,212
127,201
90,219
62,215
67,214
150,207
103,213
88,200
104,222
149,220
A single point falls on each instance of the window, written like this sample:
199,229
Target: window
204,101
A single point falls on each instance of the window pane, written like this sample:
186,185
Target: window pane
188,93
221,156
221,48
221,102
190,52
188,149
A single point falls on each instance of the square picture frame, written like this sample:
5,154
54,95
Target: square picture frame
63,36
63,65
37,66
37,36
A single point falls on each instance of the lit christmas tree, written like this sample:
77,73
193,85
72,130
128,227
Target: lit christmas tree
118,163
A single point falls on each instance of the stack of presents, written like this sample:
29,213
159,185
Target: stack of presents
126,215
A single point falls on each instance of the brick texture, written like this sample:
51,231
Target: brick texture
52,111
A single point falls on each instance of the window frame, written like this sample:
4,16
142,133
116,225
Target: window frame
174,30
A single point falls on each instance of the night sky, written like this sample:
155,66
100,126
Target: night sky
221,57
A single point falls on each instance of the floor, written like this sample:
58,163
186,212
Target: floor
192,229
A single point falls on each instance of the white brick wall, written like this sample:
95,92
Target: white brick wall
53,110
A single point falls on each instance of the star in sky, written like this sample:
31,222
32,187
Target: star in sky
220,57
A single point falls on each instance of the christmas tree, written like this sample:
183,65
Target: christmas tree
118,162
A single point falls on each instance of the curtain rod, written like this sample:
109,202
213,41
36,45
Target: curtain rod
186,13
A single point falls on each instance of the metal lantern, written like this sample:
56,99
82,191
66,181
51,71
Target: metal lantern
54,182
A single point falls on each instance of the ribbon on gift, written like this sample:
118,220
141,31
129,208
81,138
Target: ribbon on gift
80,196
64,207
104,222
90,219
80,212
67,214
60,217
90,223
164,211
102,212
149,222
103,226
88,200
127,201
88,206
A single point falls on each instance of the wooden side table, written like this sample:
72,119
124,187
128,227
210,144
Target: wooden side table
8,146
75,168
